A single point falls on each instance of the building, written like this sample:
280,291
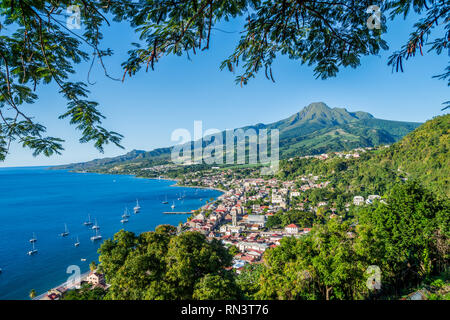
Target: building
256,219
358,200
291,229
95,278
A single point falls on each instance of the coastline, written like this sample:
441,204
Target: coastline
175,184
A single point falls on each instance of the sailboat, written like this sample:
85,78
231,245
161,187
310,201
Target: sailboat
137,208
173,205
126,214
165,202
32,251
97,236
89,222
95,226
66,232
33,239
76,244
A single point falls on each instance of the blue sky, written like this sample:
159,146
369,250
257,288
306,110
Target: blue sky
149,106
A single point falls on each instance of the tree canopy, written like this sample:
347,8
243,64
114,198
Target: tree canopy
160,265
37,48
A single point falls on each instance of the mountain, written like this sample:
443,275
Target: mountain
315,129
424,154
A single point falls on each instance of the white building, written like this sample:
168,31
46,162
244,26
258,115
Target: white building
358,200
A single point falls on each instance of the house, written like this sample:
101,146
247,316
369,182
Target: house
95,278
256,219
358,200
291,229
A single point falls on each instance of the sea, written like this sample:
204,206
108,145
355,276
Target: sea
42,201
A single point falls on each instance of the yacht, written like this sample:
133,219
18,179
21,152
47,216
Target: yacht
33,239
97,236
95,226
89,222
137,208
126,214
76,244
66,231
32,251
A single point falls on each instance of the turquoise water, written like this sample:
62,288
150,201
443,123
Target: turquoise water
42,201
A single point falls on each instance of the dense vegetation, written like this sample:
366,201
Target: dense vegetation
423,155
407,238
162,265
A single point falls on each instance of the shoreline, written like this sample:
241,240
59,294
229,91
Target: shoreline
176,181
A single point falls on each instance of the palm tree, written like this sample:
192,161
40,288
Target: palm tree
32,294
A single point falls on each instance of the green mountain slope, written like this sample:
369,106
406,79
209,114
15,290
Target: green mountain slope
315,129
424,154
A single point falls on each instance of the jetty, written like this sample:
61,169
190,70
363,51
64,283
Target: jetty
177,212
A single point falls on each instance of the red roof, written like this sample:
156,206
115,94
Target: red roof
292,226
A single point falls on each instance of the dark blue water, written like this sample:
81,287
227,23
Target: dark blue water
42,201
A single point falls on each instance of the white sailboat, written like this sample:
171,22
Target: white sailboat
32,251
165,201
137,208
95,226
76,244
89,222
33,239
66,231
126,214
173,205
97,236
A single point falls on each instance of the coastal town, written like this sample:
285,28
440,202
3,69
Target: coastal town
240,217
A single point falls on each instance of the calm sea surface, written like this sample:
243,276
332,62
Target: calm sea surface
42,201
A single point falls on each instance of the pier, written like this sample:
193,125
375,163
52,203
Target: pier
177,212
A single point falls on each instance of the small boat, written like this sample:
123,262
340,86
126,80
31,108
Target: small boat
126,214
173,205
76,244
83,259
32,251
137,208
89,222
124,220
33,239
97,236
165,201
95,226
66,231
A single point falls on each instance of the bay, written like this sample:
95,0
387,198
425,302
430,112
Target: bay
41,201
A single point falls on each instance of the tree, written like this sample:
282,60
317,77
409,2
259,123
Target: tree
92,266
402,237
32,294
39,49
215,287
163,265
322,265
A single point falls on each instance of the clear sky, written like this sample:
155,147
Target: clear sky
149,106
